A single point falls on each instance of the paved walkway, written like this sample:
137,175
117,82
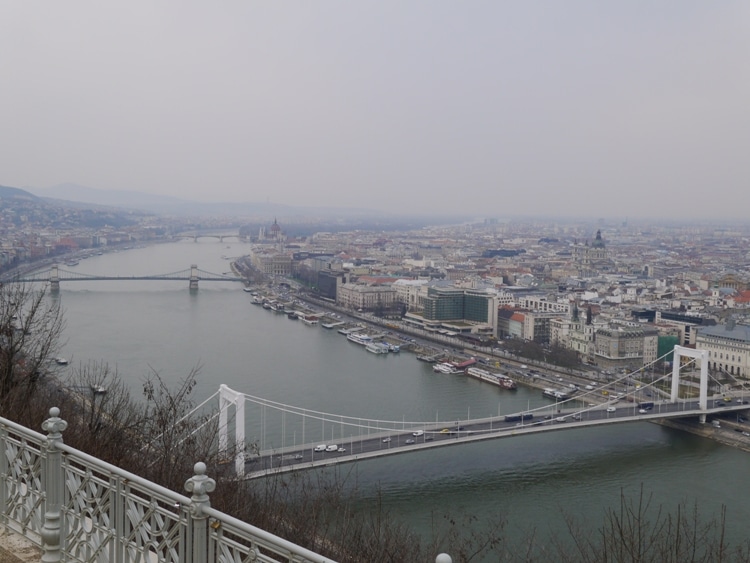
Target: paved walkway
15,549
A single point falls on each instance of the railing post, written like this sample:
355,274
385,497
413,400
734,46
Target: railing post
54,426
200,485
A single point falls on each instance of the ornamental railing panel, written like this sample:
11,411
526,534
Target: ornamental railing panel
79,508
22,494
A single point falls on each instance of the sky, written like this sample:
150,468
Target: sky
577,108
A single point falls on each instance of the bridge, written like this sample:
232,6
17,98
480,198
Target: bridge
329,439
55,275
220,236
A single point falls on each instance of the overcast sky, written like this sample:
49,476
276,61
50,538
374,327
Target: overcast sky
621,109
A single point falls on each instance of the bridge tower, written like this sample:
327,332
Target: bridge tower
194,277
54,279
701,355
229,397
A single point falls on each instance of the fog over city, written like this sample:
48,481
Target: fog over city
625,110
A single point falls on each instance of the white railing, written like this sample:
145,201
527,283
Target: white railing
79,508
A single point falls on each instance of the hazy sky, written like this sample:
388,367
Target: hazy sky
634,108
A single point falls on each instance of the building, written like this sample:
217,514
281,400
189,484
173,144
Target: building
625,347
378,298
591,259
728,347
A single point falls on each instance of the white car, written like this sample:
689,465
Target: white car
417,433
611,409
341,449
643,411
320,448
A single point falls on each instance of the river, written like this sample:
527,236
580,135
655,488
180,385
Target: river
138,326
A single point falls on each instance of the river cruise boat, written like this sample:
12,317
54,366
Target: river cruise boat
446,367
377,348
556,394
359,338
498,379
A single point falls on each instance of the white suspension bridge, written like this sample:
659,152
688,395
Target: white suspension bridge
290,438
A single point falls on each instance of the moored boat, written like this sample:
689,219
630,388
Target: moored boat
376,347
556,394
359,338
499,379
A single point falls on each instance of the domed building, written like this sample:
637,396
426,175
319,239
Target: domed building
591,259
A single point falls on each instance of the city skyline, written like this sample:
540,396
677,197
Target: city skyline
492,108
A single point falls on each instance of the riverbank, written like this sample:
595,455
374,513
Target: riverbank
542,376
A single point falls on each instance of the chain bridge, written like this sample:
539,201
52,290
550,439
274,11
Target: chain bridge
55,276
288,438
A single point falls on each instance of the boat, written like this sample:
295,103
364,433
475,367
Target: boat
377,348
446,367
293,315
72,263
429,359
359,338
60,361
309,319
394,348
556,394
498,379
247,289
257,300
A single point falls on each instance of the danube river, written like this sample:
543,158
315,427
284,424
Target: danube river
138,326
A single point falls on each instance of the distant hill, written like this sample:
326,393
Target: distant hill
166,205
17,194
115,198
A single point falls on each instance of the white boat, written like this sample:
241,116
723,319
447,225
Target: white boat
446,367
60,361
556,394
498,379
359,338
376,348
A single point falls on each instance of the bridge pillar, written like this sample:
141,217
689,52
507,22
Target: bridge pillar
701,355
194,277
228,397
54,279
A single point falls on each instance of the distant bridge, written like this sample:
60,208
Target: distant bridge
192,275
197,235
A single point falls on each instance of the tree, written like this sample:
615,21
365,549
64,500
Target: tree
31,326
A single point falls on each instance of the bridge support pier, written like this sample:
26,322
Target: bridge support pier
701,355
194,277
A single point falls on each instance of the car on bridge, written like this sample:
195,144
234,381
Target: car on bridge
611,409
417,433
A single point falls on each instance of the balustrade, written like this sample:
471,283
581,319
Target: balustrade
79,508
